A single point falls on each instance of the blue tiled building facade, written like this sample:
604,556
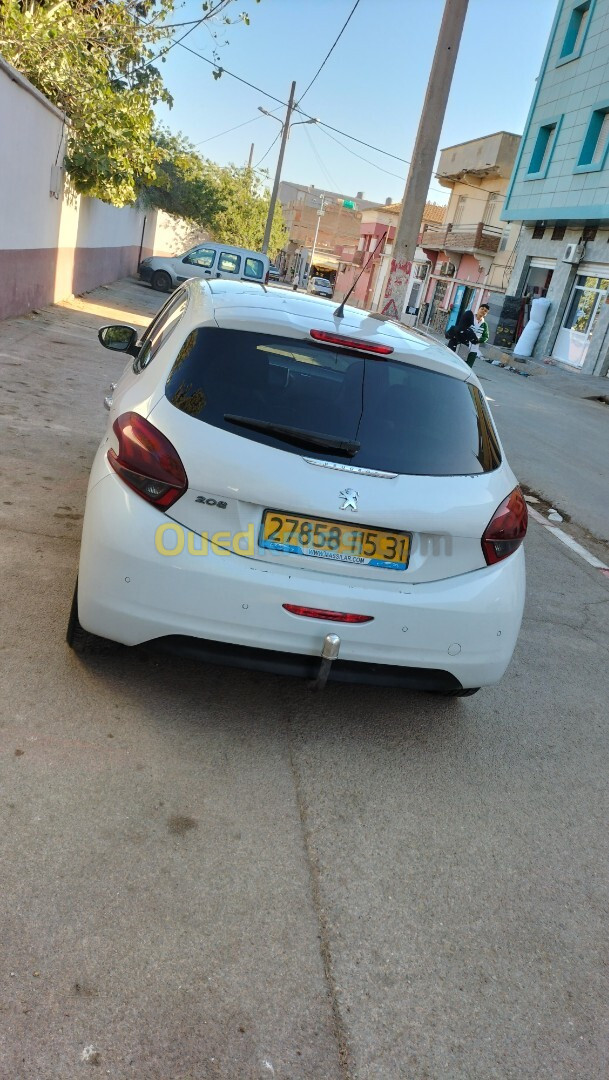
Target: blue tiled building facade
559,190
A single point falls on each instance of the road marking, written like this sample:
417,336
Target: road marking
568,541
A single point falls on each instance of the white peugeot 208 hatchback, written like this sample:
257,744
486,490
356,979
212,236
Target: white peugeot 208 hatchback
289,485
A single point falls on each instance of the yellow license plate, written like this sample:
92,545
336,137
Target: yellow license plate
334,540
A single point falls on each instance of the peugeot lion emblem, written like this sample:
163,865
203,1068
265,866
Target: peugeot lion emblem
349,497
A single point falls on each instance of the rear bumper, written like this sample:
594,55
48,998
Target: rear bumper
463,627
307,667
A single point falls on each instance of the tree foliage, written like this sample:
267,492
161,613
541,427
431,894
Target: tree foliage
95,60
241,211
231,203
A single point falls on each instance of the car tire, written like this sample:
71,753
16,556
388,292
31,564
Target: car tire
161,281
81,641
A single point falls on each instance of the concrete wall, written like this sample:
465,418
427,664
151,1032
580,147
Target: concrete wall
53,243
169,235
498,151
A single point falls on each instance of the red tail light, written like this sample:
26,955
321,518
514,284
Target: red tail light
351,343
329,616
147,462
507,528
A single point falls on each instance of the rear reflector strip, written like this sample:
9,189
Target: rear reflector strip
329,616
351,343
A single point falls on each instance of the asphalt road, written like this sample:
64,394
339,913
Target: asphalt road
557,444
209,873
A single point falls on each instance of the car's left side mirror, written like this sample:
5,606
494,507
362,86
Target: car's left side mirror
119,339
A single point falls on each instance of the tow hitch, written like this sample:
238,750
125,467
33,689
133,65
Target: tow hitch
329,653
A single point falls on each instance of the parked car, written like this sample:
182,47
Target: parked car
274,274
207,261
286,486
321,286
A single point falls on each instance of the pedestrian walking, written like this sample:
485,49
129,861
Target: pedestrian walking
471,329
295,281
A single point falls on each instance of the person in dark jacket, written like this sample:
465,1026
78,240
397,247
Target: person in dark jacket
466,330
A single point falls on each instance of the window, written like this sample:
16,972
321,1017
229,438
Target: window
539,230
586,299
229,263
201,257
392,416
537,282
253,269
543,150
489,209
576,32
159,330
459,210
596,142
558,232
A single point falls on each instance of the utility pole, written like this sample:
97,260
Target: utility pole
249,160
284,138
320,214
423,156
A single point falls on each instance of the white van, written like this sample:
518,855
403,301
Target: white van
207,260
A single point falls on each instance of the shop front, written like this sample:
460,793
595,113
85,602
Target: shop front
589,293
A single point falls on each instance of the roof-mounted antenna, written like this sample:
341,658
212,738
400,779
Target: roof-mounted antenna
340,311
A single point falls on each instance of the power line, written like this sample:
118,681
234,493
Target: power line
441,191
178,41
330,51
220,133
320,123
224,71
333,185
278,136
360,156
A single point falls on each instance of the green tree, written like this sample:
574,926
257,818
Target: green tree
231,203
242,207
184,184
95,60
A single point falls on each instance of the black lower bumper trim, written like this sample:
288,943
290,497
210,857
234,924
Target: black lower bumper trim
303,666
145,273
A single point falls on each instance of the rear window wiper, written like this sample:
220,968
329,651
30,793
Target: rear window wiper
299,436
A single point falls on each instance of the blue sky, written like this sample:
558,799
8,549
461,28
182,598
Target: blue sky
372,87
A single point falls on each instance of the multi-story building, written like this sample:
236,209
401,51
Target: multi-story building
369,262
472,251
338,224
560,190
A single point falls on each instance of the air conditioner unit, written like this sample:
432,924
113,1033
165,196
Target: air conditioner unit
447,269
574,253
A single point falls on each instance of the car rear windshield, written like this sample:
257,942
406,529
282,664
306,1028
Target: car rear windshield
333,404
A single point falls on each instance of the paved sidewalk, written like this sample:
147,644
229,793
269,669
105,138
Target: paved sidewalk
556,378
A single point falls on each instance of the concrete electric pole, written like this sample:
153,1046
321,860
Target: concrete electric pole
423,156
285,131
323,199
284,138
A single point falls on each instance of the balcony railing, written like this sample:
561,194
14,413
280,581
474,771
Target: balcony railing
462,238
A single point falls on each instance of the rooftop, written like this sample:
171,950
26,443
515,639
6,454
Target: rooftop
432,212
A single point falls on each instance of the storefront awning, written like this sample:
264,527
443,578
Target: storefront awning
327,262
